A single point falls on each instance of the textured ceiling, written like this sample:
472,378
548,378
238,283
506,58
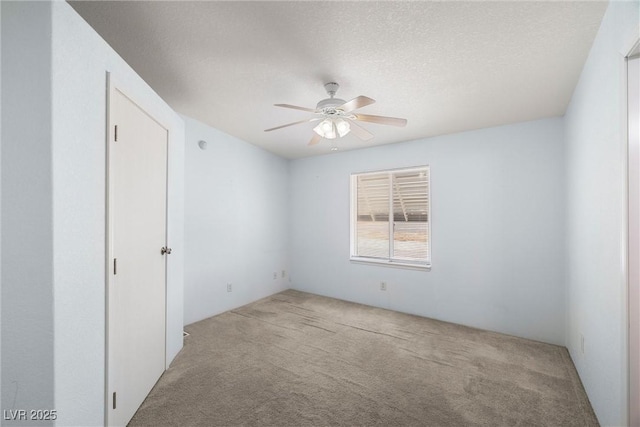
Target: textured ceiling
444,66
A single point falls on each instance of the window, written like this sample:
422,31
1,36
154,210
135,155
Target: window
390,217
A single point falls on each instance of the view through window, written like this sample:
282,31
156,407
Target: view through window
390,216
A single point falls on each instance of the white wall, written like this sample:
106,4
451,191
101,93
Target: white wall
497,225
54,210
27,240
596,205
1,406
81,60
236,222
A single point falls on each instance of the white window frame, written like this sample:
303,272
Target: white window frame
353,208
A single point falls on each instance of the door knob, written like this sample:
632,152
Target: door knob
165,250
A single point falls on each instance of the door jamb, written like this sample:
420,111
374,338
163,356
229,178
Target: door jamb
632,251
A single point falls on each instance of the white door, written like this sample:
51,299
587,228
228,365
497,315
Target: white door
137,153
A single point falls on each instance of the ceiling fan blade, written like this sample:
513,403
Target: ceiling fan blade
360,132
291,124
393,121
316,138
295,107
355,103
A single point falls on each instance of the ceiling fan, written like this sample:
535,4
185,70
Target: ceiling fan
337,118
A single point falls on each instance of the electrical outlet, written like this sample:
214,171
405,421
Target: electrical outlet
284,273
229,287
275,276
582,343
383,286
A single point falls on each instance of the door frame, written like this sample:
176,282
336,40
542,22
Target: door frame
632,249
114,84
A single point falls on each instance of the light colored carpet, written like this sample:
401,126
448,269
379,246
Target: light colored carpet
296,359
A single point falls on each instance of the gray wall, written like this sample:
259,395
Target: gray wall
53,218
236,206
596,204
27,208
497,230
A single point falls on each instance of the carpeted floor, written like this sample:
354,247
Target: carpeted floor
296,359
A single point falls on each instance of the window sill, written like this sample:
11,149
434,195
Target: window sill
395,264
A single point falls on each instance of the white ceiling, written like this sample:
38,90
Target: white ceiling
445,66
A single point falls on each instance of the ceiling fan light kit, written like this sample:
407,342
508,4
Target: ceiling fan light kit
332,128
338,119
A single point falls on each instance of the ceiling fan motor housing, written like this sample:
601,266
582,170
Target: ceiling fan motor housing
330,103
331,88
